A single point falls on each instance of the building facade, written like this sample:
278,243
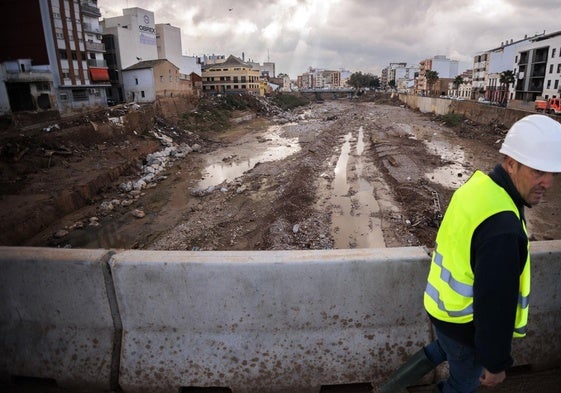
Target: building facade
488,65
537,67
129,39
147,80
62,37
231,76
446,69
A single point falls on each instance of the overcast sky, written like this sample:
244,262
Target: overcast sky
356,35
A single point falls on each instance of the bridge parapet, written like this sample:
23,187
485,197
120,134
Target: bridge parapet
248,321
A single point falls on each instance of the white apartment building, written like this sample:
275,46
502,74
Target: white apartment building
135,36
488,65
446,69
168,40
537,66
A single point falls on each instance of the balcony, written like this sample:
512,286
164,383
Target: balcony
91,28
97,63
90,10
95,47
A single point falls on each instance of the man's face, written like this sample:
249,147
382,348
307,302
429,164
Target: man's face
530,183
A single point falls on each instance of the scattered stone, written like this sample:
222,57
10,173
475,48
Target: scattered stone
51,127
138,213
77,225
296,228
105,207
60,233
94,221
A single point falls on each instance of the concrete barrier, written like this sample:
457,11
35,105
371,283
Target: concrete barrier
542,346
267,321
275,321
56,321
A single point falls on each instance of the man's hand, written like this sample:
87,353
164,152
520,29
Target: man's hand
491,380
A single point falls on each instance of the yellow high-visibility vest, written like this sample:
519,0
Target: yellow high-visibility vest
449,292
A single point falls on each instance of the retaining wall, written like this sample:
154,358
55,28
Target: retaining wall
472,110
278,321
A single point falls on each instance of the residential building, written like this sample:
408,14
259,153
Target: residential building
401,76
463,90
538,68
148,79
230,76
130,38
446,69
61,37
266,70
168,42
320,79
388,74
489,64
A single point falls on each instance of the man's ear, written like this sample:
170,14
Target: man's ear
510,165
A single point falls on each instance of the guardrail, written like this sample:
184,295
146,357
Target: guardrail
159,321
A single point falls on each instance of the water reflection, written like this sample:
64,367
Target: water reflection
355,217
231,162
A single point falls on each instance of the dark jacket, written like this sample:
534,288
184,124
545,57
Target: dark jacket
498,255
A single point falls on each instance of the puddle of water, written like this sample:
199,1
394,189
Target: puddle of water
360,141
355,222
453,174
245,156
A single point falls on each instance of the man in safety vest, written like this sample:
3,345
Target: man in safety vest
478,287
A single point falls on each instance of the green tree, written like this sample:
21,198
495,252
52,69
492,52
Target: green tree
431,77
505,79
457,82
359,81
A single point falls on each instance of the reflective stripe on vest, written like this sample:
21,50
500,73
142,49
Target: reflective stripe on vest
449,292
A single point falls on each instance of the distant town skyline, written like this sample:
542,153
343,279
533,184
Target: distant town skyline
357,35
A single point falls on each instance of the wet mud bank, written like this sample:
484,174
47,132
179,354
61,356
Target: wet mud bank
337,174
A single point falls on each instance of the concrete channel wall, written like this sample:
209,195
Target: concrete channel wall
472,110
276,321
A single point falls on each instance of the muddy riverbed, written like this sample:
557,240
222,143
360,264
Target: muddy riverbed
338,174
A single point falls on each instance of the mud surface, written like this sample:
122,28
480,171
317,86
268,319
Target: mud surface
337,174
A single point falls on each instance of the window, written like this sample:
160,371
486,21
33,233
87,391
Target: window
553,53
79,95
62,54
142,94
161,78
556,84
559,68
136,81
64,97
551,68
549,84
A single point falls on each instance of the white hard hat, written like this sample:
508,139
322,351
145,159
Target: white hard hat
535,141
